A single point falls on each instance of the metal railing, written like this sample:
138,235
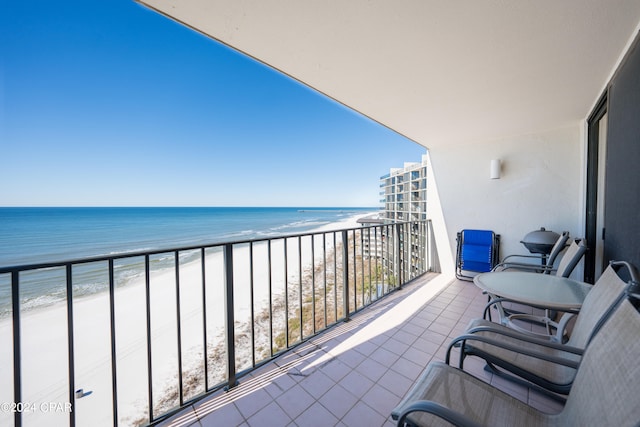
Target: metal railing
245,302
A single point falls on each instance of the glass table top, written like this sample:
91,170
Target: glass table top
534,288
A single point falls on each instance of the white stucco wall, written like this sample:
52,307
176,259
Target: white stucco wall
541,185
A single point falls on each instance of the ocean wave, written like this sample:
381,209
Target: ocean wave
127,251
39,301
306,224
236,235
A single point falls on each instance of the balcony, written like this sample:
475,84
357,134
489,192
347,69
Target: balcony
355,373
544,128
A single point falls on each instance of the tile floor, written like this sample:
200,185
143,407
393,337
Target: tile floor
355,373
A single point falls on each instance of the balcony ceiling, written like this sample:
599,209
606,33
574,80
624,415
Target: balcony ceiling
438,72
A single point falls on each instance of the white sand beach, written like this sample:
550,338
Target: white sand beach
44,336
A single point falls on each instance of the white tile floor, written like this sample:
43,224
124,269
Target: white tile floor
357,372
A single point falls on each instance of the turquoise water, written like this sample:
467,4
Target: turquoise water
39,235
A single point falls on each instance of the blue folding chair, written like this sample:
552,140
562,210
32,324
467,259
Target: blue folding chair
477,252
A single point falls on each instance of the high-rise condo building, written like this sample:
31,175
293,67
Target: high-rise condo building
404,203
404,192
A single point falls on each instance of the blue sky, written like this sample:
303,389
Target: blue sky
106,103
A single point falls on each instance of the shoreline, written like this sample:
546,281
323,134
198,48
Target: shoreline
46,380
97,281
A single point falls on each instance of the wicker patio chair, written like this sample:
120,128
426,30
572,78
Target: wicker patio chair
605,390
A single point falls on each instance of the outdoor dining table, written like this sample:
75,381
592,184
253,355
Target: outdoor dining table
534,289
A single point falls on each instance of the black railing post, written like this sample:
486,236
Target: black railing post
335,277
398,266
371,283
386,264
300,286
112,327
179,328
324,275
425,247
251,302
205,352
230,318
421,248
362,263
147,281
17,356
72,380
345,273
355,273
313,284
407,251
409,255
378,260
286,295
270,280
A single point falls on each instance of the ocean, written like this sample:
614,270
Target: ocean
40,235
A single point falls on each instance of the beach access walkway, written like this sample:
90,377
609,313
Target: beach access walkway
355,373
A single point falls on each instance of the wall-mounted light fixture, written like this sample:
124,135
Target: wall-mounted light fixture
495,169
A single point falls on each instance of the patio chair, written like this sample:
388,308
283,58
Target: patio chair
571,258
546,364
477,252
605,390
539,267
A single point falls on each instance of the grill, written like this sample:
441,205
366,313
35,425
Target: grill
540,241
